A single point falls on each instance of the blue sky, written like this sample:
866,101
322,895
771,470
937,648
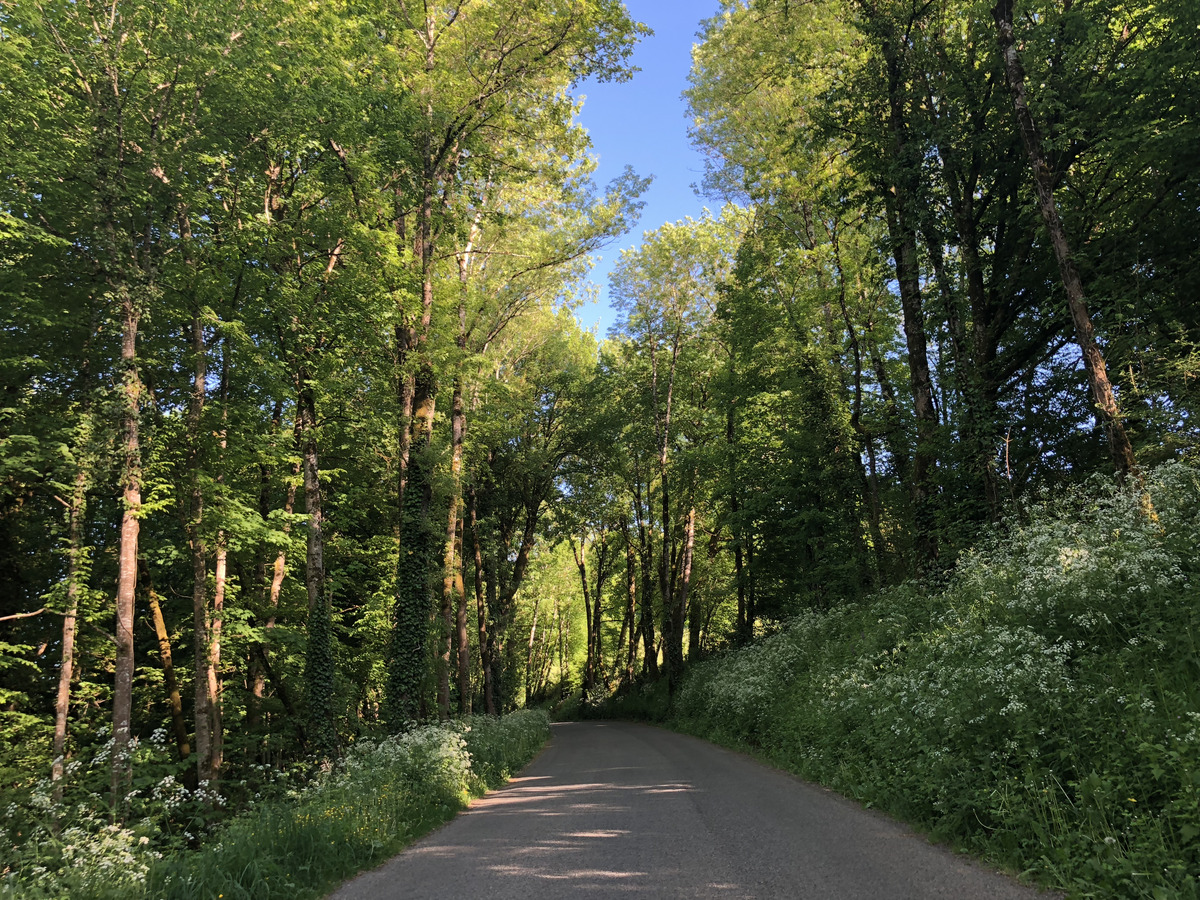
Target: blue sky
643,123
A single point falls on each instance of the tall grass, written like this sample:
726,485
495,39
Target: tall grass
1043,709
362,810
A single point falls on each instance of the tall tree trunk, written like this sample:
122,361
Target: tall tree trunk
594,665
319,663
678,602
902,202
688,602
968,368
893,434
452,586
257,676
869,485
407,663
650,653
131,481
220,573
201,682
508,585
254,671
453,592
598,669
589,666
1043,180
564,632
617,673
497,631
461,624
744,627
529,686
631,602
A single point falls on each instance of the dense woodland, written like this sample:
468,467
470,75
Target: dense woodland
301,443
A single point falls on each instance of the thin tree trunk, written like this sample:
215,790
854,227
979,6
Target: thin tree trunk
870,492
689,601
319,663
631,602
1043,179
537,602
277,575
597,598
666,553
502,618
562,656
174,698
216,625
453,579
617,674
589,667
481,609
462,625
893,435
257,675
744,628
62,703
281,690
680,599
202,679
497,632
650,654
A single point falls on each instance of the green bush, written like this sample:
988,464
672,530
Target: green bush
1043,709
348,817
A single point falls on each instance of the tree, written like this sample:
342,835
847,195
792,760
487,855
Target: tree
666,291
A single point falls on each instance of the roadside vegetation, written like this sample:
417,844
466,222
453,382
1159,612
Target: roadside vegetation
297,838
1042,708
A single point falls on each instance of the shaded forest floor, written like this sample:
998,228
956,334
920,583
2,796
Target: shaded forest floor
1040,709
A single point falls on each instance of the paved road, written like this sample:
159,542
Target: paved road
620,810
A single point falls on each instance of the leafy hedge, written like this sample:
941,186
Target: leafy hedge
379,798
1043,709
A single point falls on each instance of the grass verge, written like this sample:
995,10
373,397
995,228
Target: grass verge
382,796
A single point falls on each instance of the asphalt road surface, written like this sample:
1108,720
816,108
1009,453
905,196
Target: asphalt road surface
619,810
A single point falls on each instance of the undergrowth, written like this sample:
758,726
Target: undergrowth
1042,710
312,834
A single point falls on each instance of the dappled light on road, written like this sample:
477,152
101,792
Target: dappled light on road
620,810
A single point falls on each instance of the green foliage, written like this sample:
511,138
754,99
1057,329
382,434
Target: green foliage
302,840
1040,709
644,701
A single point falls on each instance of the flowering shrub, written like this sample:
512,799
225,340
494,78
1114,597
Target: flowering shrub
1042,709
499,747
297,843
